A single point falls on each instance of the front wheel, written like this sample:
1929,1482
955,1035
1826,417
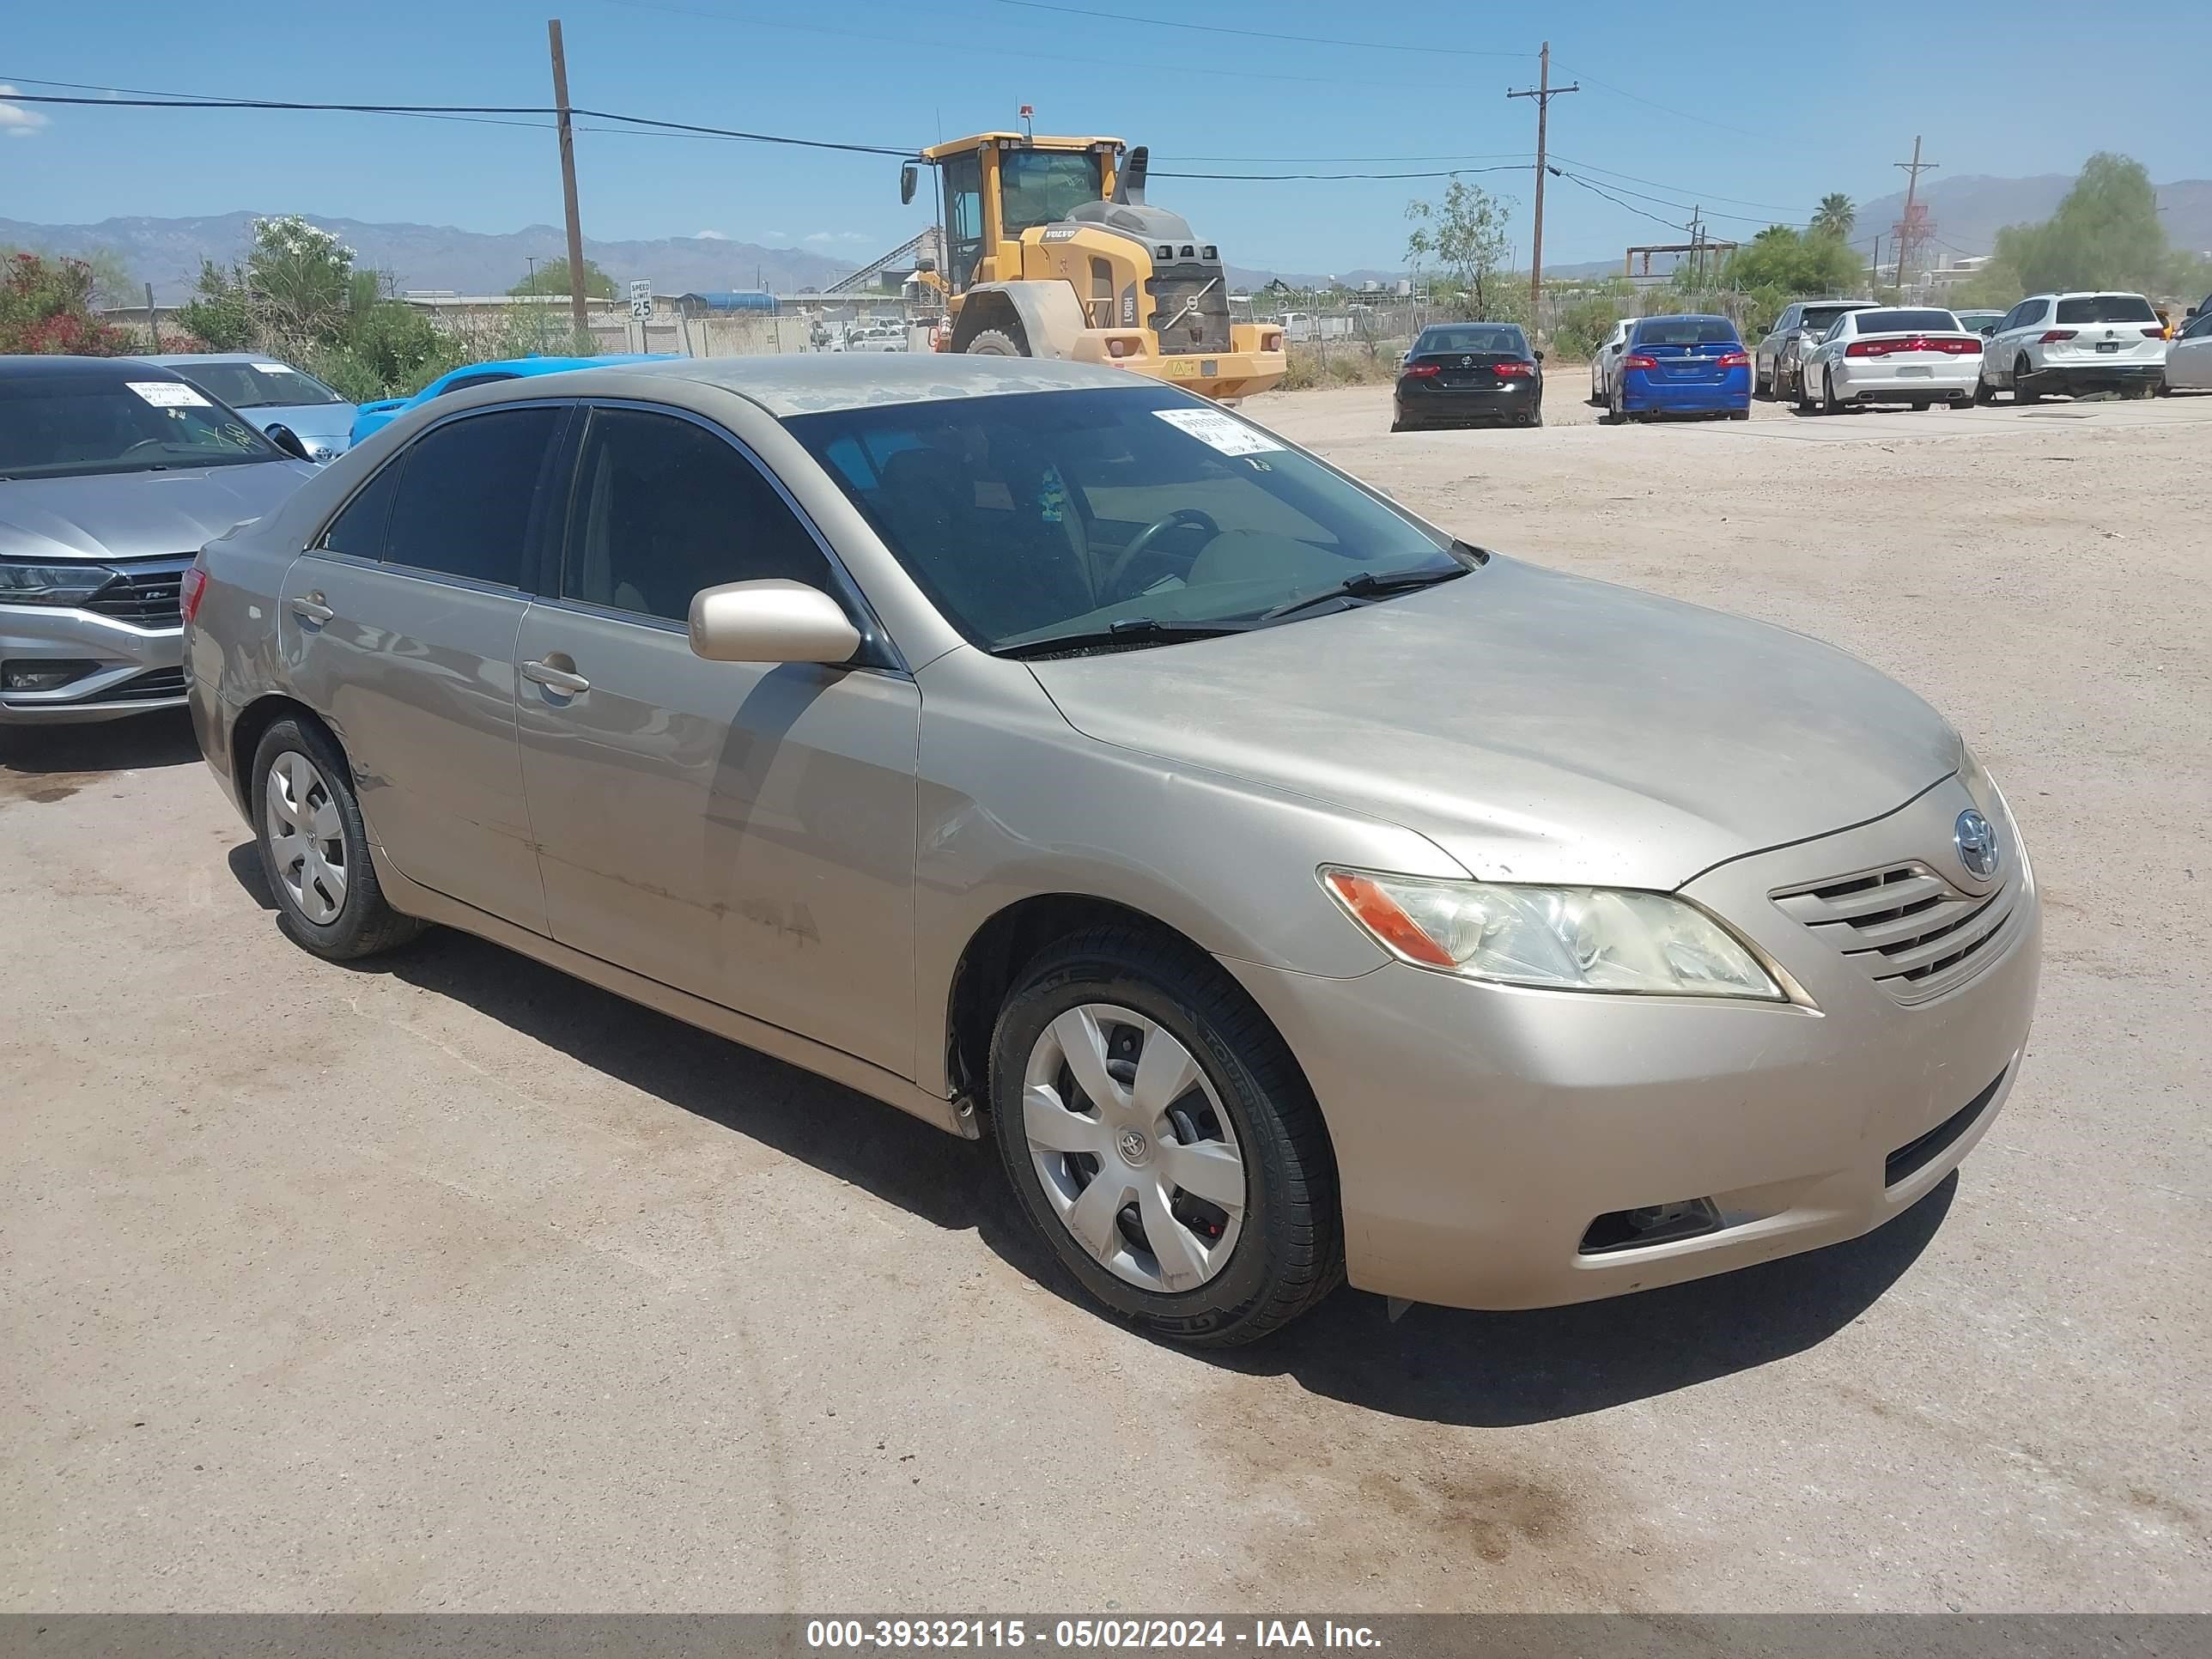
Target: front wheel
993,343
1163,1141
314,847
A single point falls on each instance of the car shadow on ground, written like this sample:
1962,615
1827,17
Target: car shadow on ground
51,762
1437,1365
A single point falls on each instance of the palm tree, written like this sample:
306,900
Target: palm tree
1837,215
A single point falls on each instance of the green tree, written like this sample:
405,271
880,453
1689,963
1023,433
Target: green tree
552,277
46,308
2105,233
1804,263
1464,234
1837,214
219,314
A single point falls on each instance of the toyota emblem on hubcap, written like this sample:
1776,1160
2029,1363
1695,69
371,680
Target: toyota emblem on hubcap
1133,1145
1976,841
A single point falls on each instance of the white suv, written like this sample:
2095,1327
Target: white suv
2074,343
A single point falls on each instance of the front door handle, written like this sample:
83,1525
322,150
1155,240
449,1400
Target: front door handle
311,609
555,679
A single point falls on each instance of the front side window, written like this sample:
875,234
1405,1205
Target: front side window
963,216
1029,517
665,507
1039,188
67,422
465,500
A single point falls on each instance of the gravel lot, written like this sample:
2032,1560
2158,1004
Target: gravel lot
451,1284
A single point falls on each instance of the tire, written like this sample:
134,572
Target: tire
1830,405
1920,405
1984,393
1536,415
1285,1244
2022,391
335,910
1739,414
1614,414
993,343
1807,404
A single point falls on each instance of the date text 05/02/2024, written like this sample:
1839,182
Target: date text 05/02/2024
1086,1634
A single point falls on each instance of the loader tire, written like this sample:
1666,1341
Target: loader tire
993,343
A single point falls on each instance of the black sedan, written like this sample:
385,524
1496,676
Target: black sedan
1459,374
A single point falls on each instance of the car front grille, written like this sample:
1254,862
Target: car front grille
1914,933
145,598
144,688
1204,326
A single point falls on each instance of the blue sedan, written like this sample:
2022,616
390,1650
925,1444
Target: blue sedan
1682,365
373,417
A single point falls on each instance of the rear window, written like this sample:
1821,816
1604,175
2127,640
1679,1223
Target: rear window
1500,338
1906,322
1685,331
2108,308
1818,319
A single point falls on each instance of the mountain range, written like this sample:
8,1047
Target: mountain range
1967,213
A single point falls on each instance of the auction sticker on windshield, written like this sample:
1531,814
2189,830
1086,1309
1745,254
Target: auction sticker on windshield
1211,427
168,394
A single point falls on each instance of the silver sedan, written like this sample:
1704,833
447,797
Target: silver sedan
1292,890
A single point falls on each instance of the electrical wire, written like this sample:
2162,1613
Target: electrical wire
1270,177
1681,190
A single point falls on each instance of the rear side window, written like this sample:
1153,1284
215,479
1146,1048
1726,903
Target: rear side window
1906,322
664,508
464,504
2108,308
1685,331
359,528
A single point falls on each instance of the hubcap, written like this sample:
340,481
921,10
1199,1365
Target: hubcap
1136,1155
307,840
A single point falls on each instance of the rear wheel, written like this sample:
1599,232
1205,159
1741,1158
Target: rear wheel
1920,405
314,847
1984,391
1830,403
2023,386
1163,1141
1739,414
993,343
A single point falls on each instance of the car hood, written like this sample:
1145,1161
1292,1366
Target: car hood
138,516
1537,726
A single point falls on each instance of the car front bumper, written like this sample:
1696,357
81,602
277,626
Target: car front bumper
1888,383
1481,1130
131,670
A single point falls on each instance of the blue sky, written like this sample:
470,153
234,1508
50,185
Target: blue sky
1709,103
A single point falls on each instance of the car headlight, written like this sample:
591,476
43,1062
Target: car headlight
1564,938
52,584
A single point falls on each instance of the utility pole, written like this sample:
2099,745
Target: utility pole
569,180
1543,92
1909,230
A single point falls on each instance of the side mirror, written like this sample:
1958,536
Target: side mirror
770,622
286,439
1539,357
925,262
1990,332
910,177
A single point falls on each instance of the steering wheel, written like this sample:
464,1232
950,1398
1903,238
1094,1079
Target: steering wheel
1151,532
144,443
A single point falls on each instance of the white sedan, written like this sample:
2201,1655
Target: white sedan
1917,356
1605,359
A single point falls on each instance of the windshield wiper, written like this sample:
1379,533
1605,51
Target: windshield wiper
1129,631
1366,585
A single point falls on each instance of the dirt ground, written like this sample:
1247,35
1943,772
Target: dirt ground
448,1283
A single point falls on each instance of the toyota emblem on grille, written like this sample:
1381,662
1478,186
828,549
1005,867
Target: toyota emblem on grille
1977,842
1466,362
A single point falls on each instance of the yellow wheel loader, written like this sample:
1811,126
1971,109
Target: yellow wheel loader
1051,250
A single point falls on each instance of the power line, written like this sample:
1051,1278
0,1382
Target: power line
1269,178
1685,190
1257,34
1543,92
1561,172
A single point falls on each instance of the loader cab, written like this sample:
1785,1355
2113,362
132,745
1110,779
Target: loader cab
995,186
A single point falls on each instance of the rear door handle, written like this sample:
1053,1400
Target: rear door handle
311,609
556,679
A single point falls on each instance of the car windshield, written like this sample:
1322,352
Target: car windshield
258,385
1818,319
1978,319
60,424
1034,516
1685,331
1498,337
1039,187
2106,308
1905,322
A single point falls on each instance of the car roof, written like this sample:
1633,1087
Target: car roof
185,359
42,367
813,382
2087,294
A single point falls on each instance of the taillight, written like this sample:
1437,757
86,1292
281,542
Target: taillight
1638,360
1866,348
1736,360
188,591
1420,371
2052,337
2154,334
1508,370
